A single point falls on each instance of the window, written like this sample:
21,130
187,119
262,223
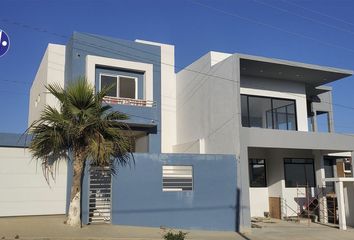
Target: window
177,178
329,164
108,81
299,172
347,165
266,112
122,86
257,171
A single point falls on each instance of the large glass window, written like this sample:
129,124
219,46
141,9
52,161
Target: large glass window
299,172
257,172
265,112
122,86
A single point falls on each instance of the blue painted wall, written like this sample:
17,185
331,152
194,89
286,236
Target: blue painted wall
138,199
82,44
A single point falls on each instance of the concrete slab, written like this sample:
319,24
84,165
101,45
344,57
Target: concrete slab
280,230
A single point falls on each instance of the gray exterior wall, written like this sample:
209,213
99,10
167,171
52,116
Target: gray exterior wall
14,140
138,199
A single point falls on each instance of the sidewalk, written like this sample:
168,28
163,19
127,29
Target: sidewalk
52,227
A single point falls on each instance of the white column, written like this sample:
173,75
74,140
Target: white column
320,175
341,207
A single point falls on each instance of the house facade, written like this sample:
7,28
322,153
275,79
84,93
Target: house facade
227,138
266,111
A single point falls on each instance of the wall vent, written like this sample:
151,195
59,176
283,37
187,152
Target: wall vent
177,178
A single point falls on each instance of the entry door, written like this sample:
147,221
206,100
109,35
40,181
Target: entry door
274,207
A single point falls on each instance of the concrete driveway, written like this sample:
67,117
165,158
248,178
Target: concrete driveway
52,227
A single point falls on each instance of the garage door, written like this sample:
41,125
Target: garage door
23,189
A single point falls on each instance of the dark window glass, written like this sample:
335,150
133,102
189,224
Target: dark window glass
127,87
265,112
109,81
244,111
299,172
329,164
257,172
258,106
291,116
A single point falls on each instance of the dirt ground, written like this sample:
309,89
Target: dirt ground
52,227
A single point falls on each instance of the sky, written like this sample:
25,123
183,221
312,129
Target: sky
316,32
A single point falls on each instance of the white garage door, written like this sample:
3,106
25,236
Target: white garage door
23,189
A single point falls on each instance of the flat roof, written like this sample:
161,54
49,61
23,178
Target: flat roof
310,74
14,140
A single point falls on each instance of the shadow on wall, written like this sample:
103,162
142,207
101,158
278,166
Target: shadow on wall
155,210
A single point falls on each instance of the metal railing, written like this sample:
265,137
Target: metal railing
129,101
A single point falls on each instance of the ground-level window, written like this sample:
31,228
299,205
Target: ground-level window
177,178
299,172
257,172
121,86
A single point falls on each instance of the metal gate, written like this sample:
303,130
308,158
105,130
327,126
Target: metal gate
100,195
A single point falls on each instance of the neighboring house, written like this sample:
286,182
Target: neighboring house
260,110
223,140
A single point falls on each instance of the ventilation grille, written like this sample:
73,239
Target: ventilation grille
177,178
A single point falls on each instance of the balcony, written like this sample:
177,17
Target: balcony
129,101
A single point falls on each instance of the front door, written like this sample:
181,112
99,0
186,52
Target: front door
274,207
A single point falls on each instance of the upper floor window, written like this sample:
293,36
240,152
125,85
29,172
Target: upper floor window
266,112
123,86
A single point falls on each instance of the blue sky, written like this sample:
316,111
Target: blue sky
318,32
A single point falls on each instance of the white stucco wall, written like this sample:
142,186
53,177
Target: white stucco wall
51,70
23,188
348,188
168,96
259,201
279,89
204,108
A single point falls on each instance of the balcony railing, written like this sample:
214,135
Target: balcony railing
129,101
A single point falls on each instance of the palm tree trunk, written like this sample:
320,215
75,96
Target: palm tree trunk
73,218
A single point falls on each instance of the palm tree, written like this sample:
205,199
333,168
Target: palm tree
83,130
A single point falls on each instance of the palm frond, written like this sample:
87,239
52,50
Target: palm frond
82,123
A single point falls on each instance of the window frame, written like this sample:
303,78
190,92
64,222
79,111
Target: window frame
118,76
313,170
272,108
265,172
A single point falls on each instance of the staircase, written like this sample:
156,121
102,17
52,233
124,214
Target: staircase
100,195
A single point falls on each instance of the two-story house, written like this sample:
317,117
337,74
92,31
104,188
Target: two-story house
265,112
229,137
